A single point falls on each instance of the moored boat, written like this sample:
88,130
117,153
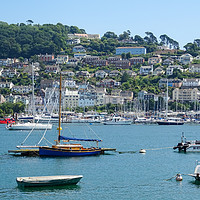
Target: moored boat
48,180
29,126
7,121
118,121
170,121
196,174
188,145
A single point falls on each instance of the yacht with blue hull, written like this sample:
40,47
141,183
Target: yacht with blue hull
70,150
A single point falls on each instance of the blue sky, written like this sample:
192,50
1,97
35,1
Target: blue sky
179,19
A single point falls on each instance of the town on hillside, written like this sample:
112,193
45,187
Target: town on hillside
133,78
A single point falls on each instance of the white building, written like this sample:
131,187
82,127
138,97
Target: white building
71,99
170,69
145,70
21,89
61,59
113,99
186,59
186,94
101,74
8,85
194,68
69,83
191,82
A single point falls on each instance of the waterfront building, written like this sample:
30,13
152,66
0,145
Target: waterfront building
71,99
86,98
100,94
182,95
131,50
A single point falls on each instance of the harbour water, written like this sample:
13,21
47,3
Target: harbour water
125,175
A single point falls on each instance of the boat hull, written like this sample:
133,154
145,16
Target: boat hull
170,123
48,180
54,152
30,126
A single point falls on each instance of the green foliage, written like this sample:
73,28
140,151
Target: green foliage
10,108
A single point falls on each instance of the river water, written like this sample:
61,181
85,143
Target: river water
125,175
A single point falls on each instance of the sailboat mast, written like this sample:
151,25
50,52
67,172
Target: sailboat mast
33,96
167,101
59,125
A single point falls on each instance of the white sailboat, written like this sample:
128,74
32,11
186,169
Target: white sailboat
30,125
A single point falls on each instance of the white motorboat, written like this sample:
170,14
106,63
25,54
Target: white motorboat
188,145
29,126
144,120
117,121
48,180
196,174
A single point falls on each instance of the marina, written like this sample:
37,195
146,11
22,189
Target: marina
114,175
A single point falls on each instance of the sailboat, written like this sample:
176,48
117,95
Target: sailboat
68,149
30,125
169,121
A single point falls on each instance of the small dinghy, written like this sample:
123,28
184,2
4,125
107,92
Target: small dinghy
38,181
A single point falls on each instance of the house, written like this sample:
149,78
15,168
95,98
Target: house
62,59
78,49
186,59
80,56
146,70
72,62
124,64
186,94
80,35
68,73
100,94
22,89
3,62
113,99
158,71
116,92
112,60
191,82
154,60
131,50
141,95
9,72
83,74
136,60
1,69
46,58
108,83
90,59
86,98
69,83
100,63
127,95
101,74
2,99
114,73
170,69
73,41
168,61
171,82
8,85
194,68
52,69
